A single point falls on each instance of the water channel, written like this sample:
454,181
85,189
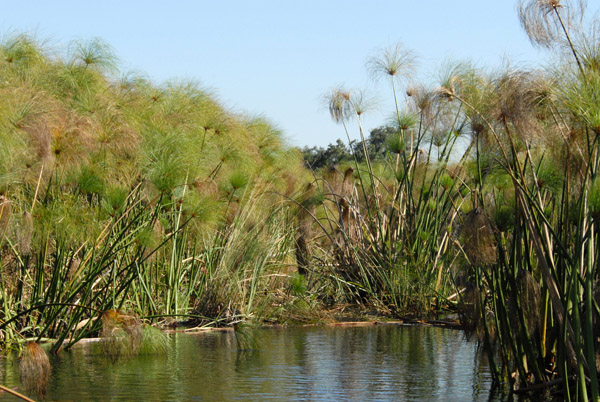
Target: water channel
369,363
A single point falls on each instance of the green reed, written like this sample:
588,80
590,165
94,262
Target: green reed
387,223
538,295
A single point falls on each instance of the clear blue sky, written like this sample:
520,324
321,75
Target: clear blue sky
276,58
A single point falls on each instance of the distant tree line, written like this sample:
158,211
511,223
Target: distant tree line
335,153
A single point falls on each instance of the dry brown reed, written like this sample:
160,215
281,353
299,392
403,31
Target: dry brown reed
122,334
539,19
40,137
206,186
25,233
517,93
35,369
73,139
478,239
5,214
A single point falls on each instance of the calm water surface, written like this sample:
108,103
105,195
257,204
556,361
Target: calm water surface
377,363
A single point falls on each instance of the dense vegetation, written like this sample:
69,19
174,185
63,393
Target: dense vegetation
117,193
126,203
512,222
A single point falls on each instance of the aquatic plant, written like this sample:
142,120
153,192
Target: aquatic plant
122,195
154,341
111,190
387,218
121,334
35,369
541,289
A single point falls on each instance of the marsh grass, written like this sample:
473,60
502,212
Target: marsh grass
123,195
514,218
125,336
539,290
121,334
154,341
386,223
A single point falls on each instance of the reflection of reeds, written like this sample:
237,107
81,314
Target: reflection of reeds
469,308
35,369
246,338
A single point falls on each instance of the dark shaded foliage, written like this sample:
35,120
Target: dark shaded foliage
318,157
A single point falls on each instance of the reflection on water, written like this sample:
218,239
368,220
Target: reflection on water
294,364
